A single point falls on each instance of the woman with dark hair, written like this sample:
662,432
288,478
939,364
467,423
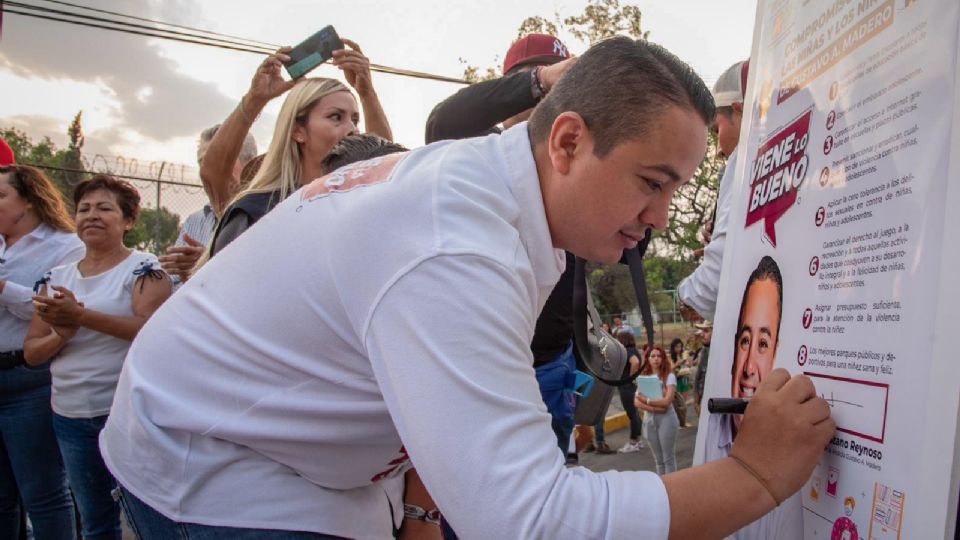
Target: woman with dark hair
661,424
87,314
36,234
627,392
681,366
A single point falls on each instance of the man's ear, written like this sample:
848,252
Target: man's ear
569,138
737,108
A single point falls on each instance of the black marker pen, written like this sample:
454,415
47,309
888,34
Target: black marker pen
727,405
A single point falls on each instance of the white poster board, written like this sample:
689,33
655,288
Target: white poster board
848,178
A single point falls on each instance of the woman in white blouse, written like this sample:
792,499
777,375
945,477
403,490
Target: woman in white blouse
86,316
36,234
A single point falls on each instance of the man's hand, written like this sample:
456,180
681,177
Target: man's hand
706,233
549,75
784,431
180,260
268,81
687,313
355,66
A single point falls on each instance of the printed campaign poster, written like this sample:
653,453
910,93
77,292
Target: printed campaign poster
840,262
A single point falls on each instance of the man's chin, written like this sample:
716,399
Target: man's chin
599,257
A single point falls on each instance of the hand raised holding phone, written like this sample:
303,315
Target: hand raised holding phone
355,66
268,81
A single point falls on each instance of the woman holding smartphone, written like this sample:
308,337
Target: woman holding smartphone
316,115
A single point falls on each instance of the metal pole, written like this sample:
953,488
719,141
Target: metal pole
156,217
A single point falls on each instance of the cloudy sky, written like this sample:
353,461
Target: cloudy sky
147,98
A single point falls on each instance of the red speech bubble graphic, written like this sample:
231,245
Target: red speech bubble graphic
777,173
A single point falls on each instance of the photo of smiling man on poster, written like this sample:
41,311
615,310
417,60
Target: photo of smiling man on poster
754,355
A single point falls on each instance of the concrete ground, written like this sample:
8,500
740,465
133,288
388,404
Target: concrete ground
643,460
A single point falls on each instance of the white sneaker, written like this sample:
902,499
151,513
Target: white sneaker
630,447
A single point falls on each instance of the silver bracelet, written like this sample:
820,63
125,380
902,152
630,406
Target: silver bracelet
412,511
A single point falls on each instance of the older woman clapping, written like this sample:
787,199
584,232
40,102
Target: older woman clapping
86,316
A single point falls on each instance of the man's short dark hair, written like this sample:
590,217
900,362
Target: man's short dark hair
619,86
361,147
767,268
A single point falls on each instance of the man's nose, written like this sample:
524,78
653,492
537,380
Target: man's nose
750,363
657,214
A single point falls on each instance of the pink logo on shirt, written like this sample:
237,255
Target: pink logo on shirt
393,465
349,177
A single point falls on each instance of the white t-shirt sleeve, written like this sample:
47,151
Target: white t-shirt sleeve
700,289
16,297
466,404
143,264
671,379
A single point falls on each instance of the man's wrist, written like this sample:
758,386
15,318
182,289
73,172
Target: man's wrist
750,483
537,89
417,513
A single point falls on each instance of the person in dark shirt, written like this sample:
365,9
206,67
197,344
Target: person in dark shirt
532,66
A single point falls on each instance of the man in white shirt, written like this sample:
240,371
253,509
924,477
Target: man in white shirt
310,376
699,290
620,327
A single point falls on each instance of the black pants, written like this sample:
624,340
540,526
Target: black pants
627,394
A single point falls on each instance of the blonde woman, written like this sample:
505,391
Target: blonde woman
316,114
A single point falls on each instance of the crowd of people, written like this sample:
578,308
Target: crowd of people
279,372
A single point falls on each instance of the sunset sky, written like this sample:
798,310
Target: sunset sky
148,98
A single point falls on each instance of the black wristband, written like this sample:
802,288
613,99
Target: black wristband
536,87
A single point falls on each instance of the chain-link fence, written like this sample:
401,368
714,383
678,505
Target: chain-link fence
169,192
667,322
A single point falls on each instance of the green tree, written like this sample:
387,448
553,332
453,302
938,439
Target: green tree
45,155
691,208
600,19
73,159
670,256
154,231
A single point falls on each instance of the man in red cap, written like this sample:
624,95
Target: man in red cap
532,66
6,154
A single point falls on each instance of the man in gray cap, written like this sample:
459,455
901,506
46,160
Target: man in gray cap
698,292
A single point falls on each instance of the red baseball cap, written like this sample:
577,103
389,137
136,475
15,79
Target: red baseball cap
535,49
6,154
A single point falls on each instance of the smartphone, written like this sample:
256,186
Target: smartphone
313,51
